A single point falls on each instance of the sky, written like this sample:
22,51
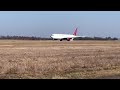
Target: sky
45,23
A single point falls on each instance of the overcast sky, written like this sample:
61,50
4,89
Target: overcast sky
45,23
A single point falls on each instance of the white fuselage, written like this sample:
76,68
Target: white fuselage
62,36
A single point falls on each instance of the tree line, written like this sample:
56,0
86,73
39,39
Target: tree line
96,38
24,38
41,38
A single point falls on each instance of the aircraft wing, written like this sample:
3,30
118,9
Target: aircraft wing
79,36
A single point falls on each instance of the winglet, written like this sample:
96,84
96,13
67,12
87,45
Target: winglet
75,32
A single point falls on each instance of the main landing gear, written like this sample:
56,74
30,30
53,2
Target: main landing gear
60,39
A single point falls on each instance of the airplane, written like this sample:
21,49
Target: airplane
68,37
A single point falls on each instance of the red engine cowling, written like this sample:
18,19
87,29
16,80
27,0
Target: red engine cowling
68,39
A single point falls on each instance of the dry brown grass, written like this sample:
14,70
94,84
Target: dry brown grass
59,60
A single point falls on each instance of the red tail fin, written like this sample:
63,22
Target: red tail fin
75,32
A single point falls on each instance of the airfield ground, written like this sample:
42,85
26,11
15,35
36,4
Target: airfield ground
59,60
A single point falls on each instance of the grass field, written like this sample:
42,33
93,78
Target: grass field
59,60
